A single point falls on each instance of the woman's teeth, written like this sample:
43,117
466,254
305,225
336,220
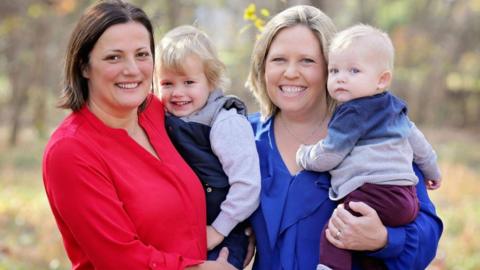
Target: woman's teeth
127,85
292,89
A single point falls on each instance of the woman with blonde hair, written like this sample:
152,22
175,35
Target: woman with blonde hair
288,76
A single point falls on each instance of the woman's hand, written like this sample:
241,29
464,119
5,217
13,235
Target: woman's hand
251,246
213,238
220,264
347,231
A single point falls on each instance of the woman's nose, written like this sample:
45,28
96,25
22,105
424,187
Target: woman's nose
291,71
131,67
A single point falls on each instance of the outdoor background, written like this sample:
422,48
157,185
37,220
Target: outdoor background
437,71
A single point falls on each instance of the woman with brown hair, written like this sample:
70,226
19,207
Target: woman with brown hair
122,196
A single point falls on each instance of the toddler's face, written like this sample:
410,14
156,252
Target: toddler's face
353,73
184,93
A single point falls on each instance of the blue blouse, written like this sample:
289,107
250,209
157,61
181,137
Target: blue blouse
294,209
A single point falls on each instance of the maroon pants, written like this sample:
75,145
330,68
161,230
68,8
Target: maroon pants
395,205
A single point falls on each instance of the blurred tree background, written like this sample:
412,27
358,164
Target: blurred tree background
437,71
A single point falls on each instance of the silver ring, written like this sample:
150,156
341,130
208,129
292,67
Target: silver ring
337,235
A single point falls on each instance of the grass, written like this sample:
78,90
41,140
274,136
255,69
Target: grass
458,205
29,238
457,200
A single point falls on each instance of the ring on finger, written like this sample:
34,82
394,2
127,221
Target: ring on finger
338,234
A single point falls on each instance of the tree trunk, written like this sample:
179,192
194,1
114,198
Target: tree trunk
41,76
17,103
19,87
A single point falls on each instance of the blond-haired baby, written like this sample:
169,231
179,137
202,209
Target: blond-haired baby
371,143
213,135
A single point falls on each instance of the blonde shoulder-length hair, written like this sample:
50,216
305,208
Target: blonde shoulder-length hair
312,17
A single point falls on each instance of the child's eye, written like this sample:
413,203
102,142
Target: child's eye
354,70
166,84
333,70
189,82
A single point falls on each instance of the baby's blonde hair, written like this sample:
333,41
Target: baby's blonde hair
185,41
374,38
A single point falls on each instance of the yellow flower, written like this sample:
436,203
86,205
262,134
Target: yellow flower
251,8
259,24
249,13
265,12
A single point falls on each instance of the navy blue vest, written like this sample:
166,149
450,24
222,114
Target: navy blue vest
192,140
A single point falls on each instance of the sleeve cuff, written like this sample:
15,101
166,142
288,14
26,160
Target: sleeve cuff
433,174
430,168
395,244
161,261
224,224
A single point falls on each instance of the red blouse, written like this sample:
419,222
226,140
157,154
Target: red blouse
116,205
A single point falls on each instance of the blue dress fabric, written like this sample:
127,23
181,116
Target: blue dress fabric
294,208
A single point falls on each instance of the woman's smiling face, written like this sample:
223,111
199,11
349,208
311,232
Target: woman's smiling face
120,68
295,70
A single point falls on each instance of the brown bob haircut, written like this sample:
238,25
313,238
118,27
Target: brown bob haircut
92,24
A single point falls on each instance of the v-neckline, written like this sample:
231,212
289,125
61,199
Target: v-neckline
122,133
143,126
277,151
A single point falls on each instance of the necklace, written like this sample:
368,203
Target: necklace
297,138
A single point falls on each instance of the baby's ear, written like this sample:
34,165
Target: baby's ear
384,80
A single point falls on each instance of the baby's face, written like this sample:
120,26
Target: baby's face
353,73
184,93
